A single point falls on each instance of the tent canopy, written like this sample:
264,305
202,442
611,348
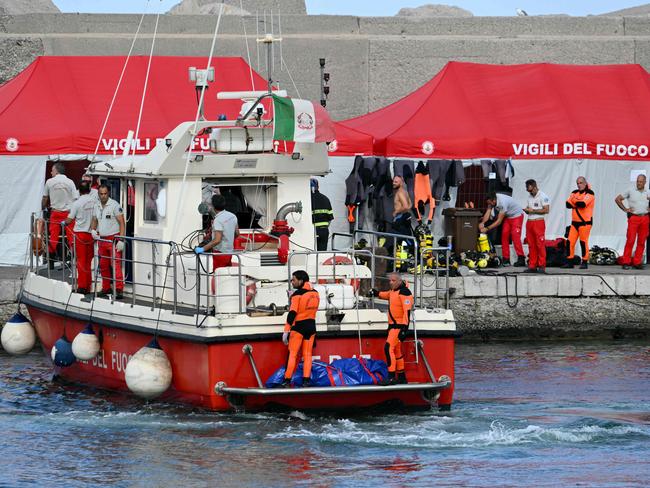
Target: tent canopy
58,104
529,111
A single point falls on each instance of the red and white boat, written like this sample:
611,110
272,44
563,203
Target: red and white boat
222,344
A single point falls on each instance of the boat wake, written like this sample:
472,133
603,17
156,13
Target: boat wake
447,432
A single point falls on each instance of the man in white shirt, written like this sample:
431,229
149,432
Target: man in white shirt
511,215
81,213
537,207
58,195
637,222
108,224
224,232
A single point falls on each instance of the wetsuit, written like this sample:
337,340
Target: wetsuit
422,191
400,304
582,204
301,322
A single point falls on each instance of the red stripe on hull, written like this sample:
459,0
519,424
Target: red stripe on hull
197,367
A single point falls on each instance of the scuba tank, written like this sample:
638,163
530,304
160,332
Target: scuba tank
401,256
483,243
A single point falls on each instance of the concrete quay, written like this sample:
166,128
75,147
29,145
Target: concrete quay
602,302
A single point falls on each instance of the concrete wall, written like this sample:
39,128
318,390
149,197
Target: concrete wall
373,61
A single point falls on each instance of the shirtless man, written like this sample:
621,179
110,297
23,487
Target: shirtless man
401,208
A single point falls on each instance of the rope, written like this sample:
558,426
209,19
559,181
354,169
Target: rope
146,83
119,82
248,52
196,123
282,61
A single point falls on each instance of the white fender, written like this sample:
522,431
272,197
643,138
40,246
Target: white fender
85,345
18,335
148,373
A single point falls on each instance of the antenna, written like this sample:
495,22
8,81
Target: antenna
201,78
268,39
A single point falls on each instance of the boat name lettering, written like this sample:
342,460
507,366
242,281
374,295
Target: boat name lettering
147,144
119,361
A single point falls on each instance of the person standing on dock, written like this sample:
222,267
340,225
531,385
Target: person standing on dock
401,208
581,202
82,212
300,328
400,304
108,224
637,222
537,207
511,215
58,195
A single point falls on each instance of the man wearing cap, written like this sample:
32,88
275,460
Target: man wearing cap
107,225
321,215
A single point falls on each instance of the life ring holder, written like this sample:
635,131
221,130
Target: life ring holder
354,282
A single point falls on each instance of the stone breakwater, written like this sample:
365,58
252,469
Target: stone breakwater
599,303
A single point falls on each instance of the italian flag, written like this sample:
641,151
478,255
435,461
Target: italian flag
301,121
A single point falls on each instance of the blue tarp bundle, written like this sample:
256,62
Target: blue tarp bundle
342,372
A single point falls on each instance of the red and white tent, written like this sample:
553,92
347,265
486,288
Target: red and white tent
556,122
529,111
58,104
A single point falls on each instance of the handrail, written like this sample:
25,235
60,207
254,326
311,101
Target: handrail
153,259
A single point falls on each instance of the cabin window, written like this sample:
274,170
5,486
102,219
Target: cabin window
249,200
155,201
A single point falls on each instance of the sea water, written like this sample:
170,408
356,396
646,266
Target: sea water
524,415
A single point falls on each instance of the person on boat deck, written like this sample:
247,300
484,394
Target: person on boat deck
400,304
300,328
510,216
107,225
224,232
637,222
321,215
581,202
93,185
81,213
58,195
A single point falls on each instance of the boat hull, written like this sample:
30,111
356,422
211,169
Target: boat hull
197,367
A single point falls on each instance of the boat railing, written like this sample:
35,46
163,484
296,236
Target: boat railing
157,270
417,270
210,286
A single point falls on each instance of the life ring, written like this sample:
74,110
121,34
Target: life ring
355,282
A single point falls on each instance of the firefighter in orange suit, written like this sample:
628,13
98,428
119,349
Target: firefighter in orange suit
400,304
300,329
581,202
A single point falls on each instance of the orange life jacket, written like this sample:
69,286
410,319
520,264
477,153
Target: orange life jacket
303,307
400,304
582,205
